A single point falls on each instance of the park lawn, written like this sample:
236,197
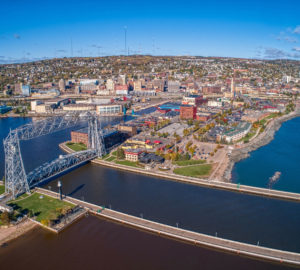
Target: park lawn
46,208
110,158
105,156
189,162
114,153
194,171
2,189
127,163
76,146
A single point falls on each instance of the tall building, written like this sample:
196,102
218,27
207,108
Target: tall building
173,86
62,85
137,85
232,88
110,85
26,90
18,88
122,79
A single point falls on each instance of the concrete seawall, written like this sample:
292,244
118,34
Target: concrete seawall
191,237
270,193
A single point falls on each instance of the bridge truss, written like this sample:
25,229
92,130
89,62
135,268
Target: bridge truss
16,179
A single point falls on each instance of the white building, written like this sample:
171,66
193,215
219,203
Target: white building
214,103
110,85
109,109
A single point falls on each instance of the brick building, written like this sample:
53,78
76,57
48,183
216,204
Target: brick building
79,137
188,112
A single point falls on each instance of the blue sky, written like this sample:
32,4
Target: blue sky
251,29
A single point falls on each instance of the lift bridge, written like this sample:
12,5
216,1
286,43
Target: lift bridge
17,181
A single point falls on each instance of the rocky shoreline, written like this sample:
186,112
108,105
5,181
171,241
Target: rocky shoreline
262,139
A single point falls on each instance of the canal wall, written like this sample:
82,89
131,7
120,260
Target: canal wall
195,238
270,193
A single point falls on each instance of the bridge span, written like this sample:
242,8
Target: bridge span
195,238
16,179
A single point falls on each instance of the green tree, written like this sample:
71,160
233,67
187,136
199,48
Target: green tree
120,153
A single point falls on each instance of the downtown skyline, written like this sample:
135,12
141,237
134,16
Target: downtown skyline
249,29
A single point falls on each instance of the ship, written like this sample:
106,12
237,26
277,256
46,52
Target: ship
275,177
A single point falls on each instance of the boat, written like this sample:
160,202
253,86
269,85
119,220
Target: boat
274,178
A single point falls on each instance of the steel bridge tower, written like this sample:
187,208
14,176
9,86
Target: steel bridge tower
16,179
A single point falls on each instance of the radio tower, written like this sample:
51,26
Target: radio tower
125,39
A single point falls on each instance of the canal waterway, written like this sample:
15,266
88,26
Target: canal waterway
94,243
281,154
251,219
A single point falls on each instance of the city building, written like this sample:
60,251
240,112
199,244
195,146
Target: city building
130,129
79,107
121,89
132,154
34,103
236,133
62,85
18,88
188,112
173,86
89,81
194,100
137,85
80,137
109,109
26,90
110,85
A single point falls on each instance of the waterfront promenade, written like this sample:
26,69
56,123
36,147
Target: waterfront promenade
271,193
191,237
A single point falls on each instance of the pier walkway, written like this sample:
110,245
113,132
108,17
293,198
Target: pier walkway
210,183
191,237
272,193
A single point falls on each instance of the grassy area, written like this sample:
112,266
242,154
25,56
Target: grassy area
114,153
189,162
194,171
45,208
2,189
76,146
105,156
127,163
110,159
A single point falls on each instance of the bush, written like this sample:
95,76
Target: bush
5,218
45,222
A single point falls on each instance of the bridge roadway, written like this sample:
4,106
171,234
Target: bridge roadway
195,238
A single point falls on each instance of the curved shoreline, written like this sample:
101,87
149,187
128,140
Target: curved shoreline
262,139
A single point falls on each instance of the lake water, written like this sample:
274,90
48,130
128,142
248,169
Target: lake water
273,223
281,154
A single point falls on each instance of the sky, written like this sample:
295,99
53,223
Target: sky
32,30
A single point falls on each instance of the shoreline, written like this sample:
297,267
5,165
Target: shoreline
13,232
244,189
262,139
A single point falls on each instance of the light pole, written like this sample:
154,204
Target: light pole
59,189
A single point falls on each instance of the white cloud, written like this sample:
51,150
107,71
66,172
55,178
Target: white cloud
297,30
296,49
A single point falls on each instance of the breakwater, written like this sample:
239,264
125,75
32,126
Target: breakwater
191,237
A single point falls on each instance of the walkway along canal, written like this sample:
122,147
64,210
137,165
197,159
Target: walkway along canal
276,194
195,238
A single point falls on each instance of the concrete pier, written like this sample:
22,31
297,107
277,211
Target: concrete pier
195,238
